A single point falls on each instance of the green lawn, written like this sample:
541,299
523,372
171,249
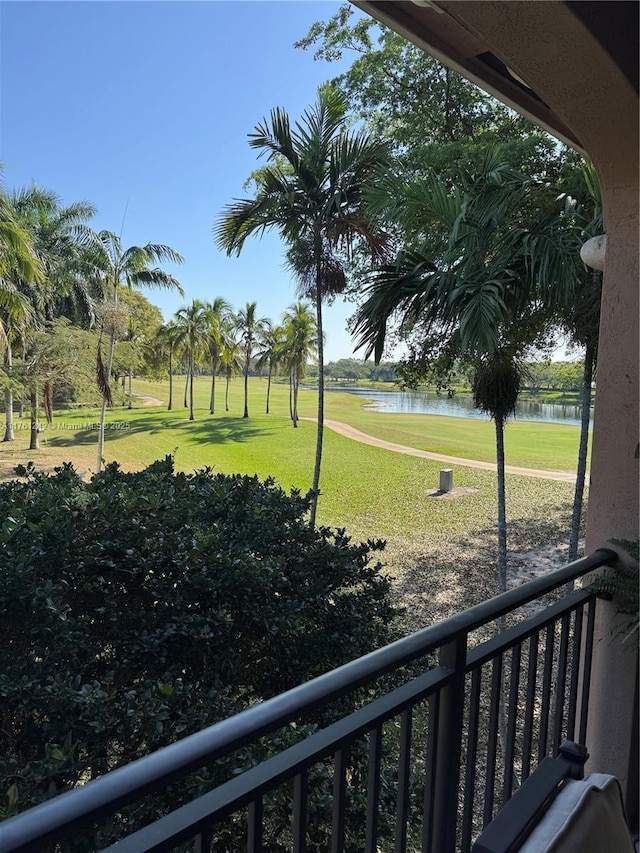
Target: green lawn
373,493
529,444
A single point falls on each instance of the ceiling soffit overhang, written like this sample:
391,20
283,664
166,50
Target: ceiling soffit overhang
439,32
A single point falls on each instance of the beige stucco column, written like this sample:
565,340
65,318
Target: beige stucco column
613,489
548,48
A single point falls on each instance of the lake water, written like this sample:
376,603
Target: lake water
460,405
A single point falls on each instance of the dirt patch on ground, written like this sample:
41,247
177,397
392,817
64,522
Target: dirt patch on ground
434,582
455,492
148,401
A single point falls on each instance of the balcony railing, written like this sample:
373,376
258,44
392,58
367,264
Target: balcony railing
433,734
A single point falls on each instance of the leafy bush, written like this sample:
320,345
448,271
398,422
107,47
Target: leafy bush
138,608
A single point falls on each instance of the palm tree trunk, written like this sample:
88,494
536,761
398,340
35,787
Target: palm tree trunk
192,368
587,378
296,386
170,406
212,397
34,443
502,512
47,401
315,486
268,388
226,395
103,409
186,388
291,394
246,388
8,399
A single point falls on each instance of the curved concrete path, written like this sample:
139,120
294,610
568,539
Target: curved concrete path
355,434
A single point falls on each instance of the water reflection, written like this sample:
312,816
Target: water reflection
461,405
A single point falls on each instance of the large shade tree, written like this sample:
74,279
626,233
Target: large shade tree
311,193
431,117
486,294
131,267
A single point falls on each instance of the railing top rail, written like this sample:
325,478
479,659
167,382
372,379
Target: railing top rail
132,781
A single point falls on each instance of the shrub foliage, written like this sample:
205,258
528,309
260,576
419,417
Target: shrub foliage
138,608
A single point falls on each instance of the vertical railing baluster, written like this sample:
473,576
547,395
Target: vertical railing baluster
203,841
254,826
472,755
339,796
492,742
561,683
532,680
430,764
509,747
300,794
453,657
404,771
373,790
575,672
543,735
586,673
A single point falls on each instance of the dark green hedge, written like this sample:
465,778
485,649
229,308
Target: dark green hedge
138,608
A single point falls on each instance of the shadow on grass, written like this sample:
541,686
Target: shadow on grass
206,428
437,582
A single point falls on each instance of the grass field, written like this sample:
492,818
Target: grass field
373,493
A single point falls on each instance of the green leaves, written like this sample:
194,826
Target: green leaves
139,608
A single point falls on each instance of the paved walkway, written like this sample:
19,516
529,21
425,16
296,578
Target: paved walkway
356,435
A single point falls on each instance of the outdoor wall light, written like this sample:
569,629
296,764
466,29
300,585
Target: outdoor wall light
593,251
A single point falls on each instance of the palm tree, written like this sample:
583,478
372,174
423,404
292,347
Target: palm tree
582,321
130,267
311,193
166,341
192,337
300,345
250,328
271,342
66,249
485,294
19,265
216,313
230,359
496,384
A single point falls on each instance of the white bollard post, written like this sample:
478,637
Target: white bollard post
446,479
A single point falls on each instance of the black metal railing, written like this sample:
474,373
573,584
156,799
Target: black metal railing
420,758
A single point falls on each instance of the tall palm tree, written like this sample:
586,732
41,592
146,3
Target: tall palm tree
299,347
129,267
311,193
166,342
582,321
63,244
486,293
271,343
230,359
192,337
249,327
19,265
216,313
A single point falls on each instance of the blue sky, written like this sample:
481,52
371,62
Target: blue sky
146,107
